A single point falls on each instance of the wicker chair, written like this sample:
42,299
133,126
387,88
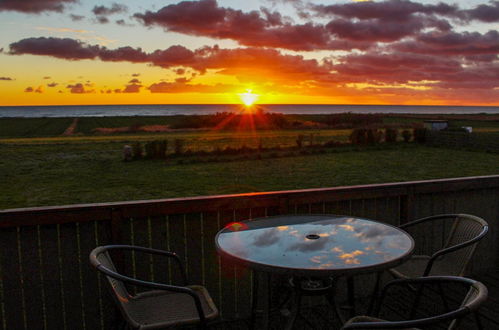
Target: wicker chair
455,255
161,307
476,295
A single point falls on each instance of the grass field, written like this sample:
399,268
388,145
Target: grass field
196,140
40,167
56,174
53,127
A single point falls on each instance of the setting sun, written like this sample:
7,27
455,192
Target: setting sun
248,98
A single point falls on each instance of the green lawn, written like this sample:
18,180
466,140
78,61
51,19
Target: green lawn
56,174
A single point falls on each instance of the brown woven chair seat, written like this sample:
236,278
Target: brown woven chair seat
157,309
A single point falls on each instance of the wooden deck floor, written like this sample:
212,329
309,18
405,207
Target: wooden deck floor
320,317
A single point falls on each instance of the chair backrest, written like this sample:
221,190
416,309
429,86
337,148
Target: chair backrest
464,229
101,259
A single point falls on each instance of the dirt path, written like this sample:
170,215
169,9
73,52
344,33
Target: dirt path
71,128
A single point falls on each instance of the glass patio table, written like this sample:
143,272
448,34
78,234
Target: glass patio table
314,246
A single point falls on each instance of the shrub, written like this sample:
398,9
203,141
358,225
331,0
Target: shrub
299,140
149,148
391,135
331,143
178,145
358,136
161,148
373,136
137,150
406,135
420,135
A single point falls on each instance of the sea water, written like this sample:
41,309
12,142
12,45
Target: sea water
202,109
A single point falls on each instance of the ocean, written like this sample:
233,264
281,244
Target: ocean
201,109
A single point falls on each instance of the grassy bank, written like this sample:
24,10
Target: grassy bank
55,174
86,126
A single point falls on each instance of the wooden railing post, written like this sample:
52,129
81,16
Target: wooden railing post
284,205
116,226
407,206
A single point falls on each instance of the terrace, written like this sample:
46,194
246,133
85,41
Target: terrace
46,280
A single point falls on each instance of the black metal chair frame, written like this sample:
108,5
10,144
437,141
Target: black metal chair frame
141,283
455,315
441,252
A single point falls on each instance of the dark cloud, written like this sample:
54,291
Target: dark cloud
54,84
485,13
407,68
452,43
392,10
127,53
102,12
46,77
102,19
76,18
79,88
135,74
34,6
265,28
132,88
6,78
353,25
122,22
72,49
66,48
384,31
30,89
114,9
134,81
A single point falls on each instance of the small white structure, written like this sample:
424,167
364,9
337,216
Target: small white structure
468,128
436,125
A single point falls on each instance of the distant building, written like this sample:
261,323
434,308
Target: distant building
436,125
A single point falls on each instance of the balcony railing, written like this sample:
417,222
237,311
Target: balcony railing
46,281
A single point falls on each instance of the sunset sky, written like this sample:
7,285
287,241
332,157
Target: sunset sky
58,52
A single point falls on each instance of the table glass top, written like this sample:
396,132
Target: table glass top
320,242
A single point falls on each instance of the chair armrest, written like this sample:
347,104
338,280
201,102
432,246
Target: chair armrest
157,286
174,256
453,248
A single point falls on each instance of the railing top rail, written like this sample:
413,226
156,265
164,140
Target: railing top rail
104,211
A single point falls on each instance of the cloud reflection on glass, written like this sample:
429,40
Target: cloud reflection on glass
316,242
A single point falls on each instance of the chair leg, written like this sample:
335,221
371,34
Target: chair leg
374,296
